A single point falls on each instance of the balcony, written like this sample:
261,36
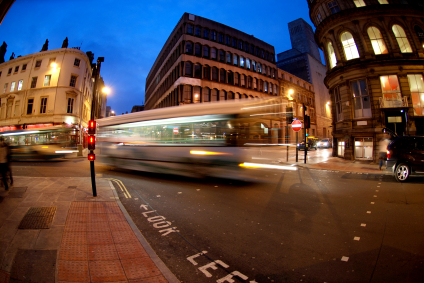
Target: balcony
393,101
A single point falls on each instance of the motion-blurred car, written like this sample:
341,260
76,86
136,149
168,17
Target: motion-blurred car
311,145
325,143
405,157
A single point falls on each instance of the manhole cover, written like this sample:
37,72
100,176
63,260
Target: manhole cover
17,192
38,218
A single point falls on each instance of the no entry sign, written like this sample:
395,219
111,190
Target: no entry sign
296,125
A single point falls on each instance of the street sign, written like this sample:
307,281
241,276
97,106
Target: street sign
296,125
175,130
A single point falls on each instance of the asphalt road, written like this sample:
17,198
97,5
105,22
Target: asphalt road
286,226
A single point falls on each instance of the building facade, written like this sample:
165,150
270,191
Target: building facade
204,61
46,88
374,52
304,61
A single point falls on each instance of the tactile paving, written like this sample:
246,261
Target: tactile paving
74,238
74,252
73,271
77,218
76,227
115,217
140,268
99,238
119,226
102,252
97,217
113,209
106,271
98,227
38,218
130,250
76,204
156,279
124,236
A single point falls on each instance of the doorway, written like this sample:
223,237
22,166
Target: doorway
396,121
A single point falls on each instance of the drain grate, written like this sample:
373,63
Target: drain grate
17,192
38,218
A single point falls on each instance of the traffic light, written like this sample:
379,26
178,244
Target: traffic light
91,142
307,122
92,127
91,156
307,132
289,115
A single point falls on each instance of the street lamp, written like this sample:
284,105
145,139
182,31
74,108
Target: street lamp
106,90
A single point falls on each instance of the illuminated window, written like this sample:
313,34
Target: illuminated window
20,84
401,38
334,7
5,87
349,45
259,67
359,3
241,62
391,91
248,63
339,106
361,99
266,87
254,66
235,60
12,86
416,86
383,2
377,41
331,56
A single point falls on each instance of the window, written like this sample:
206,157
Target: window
43,105
240,45
241,62
38,64
221,38
206,94
377,41
30,105
24,66
349,46
401,38
236,79
206,72
383,2
392,96
34,82
197,50
5,87
189,29
188,69
339,106
20,84
248,63
254,66
259,68
266,87
189,48
234,43
16,69
249,82
197,31
334,7
10,71
227,40
361,99
9,108
197,71
318,18
70,108
222,75
359,3
12,86
213,53
187,92
205,51
16,114
73,81
214,95
213,35
275,89
215,74
242,80
206,33
77,62
230,77
221,56
47,80
255,83
235,60
246,47
228,57
416,86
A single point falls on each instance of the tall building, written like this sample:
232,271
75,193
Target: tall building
304,61
204,61
374,52
47,88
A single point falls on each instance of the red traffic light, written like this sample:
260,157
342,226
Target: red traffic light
91,156
92,127
91,142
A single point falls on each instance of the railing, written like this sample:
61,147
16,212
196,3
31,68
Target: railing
393,103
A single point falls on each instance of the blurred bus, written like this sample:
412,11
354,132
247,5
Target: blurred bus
205,139
41,143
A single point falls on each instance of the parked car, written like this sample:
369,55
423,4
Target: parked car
324,143
311,145
405,157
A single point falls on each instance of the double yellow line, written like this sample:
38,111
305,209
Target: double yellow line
121,186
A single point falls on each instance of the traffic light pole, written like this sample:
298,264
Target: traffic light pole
93,177
304,123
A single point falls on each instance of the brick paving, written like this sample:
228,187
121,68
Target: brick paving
98,245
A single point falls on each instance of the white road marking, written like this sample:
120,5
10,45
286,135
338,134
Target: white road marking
356,238
229,277
369,212
191,258
363,225
345,258
372,202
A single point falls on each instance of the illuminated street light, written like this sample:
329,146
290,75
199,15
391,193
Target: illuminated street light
53,65
106,90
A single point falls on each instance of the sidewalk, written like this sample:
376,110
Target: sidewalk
53,230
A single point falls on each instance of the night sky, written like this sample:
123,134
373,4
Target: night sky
130,34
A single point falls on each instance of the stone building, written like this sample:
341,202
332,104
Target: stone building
304,61
47,88
374,52
204,61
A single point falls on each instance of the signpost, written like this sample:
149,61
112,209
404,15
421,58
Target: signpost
296,126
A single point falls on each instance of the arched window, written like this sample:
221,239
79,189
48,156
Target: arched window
196,94
197,71
242,61
197,49
197,31
213,53
206,33
206,94
230,95
230,77
243,80
206,51
259,67
222,74
349,45
236,78
214,95
359,3
221,56
254,66
249,82
189,48
189,29
331,56
222,95
207,72
215,74
383,2
228,57
235,60
187,92
188,69
248,63
255,83
377,41
266,87
401,38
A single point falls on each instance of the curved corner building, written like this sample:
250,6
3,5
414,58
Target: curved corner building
204,61
374,52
